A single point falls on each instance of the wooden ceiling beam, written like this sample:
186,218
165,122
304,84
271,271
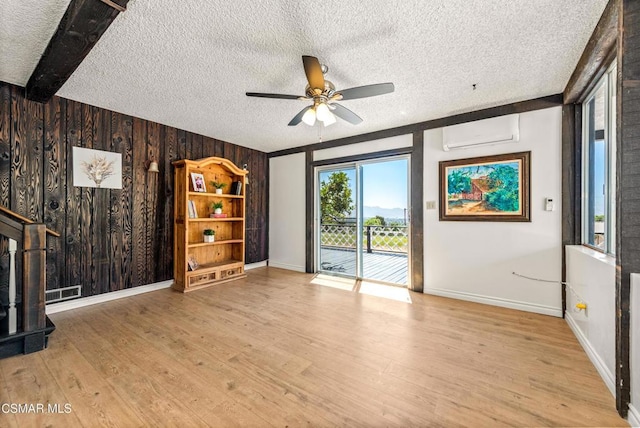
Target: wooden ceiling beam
596,57
82,25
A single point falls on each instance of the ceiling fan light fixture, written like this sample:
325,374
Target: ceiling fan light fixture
309,117
322,92
322,112
329,120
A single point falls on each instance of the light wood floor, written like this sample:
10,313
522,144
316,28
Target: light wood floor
275,350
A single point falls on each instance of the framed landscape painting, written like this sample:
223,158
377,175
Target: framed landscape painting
488,188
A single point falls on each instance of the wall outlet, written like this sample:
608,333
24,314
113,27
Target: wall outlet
431,205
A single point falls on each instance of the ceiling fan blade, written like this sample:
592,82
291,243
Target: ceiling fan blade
314,72
298,117
279,96
346,114
366,91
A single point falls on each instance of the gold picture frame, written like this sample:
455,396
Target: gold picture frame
487,188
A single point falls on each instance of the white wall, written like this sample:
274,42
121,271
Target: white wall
476,260
287,211
397,142
634,409
591,278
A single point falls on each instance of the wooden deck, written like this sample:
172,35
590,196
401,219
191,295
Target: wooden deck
275,349
380,266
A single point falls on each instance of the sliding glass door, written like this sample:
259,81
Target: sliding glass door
337,220
385,221
362,219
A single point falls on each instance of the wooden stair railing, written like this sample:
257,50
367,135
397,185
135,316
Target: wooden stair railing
28,239
25,220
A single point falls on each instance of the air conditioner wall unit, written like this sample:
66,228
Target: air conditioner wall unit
496,130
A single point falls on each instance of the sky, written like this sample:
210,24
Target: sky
384,183
599,164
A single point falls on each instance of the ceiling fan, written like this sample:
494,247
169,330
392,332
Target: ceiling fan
324,96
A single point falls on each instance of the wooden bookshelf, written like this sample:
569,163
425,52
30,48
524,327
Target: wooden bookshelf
223,259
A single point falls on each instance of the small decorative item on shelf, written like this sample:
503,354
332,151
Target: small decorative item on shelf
209,235
198,182
218,186
216,207
193,263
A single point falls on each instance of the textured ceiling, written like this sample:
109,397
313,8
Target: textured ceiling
189,63
26,26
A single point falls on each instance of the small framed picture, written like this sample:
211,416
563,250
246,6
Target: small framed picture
198,182
193,263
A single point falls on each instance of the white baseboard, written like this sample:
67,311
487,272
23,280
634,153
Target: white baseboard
105,297
633,417
287,266
606,375
496,301
255,265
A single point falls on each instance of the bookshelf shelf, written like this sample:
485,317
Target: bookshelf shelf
206,244
215,195
207,219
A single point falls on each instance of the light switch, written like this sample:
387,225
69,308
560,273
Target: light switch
431,205
549,205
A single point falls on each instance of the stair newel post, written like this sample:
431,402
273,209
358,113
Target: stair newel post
13,314
34,276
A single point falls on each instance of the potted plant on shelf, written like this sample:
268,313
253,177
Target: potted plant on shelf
218,187
216,207
209,235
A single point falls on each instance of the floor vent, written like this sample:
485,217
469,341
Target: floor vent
60,294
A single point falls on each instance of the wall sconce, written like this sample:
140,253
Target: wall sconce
246,179
153,167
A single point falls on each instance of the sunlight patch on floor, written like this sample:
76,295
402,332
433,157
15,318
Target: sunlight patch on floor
400,294
347,284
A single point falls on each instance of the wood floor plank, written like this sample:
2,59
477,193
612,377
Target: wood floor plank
6,419
220,376
30,382
277,349
92,399
161,399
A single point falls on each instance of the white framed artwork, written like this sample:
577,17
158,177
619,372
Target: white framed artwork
97,168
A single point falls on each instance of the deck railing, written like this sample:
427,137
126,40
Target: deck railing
374,238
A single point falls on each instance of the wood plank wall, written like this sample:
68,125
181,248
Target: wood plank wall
628,194
111,239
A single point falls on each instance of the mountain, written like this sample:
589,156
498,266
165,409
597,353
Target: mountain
384,212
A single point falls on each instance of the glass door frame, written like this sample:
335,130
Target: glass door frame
359,210
317,220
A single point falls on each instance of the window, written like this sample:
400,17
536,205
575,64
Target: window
599,165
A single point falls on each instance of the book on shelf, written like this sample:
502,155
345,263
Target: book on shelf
236,188
192,209
222,215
